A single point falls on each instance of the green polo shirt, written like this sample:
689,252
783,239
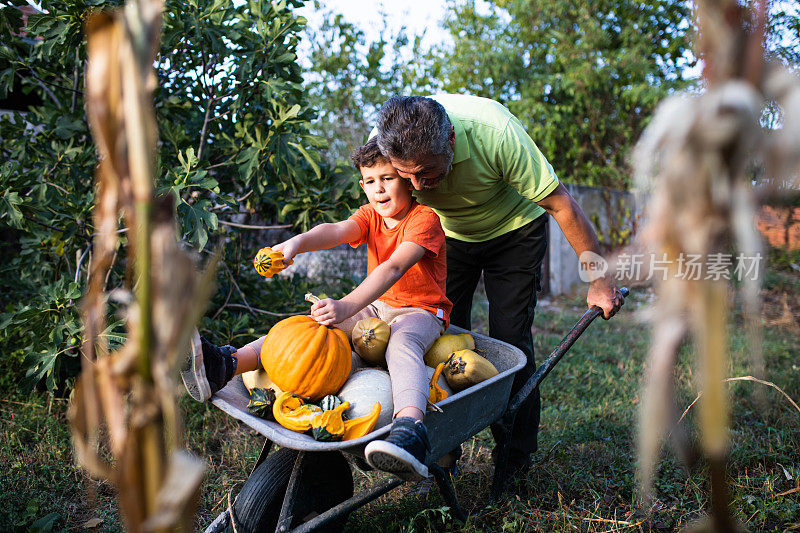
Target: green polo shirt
498,172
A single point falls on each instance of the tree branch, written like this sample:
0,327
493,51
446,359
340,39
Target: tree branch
38,79
80,262
42,223
247,226
75,76
222,164
230,275
224,305
41,84
262,311
206,120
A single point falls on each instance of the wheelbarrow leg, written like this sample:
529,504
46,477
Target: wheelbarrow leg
446,490
286,516
501,457
263,455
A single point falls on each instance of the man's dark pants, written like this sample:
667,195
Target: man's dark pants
511,266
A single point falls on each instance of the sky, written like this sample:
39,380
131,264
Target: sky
416,15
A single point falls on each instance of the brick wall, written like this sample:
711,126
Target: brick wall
780,226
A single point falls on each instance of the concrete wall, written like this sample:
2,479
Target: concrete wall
613,213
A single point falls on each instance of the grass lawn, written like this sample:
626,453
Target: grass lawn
583,478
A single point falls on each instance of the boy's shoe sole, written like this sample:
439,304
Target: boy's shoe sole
388,457
193,372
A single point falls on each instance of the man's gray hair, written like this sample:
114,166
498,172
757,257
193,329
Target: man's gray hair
413,127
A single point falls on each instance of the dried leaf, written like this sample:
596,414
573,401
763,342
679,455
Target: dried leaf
128,397
92,523
786,473
695,159
179,490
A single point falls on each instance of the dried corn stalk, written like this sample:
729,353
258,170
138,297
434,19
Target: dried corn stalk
124,403
694,159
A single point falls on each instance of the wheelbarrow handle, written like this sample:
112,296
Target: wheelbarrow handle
556,355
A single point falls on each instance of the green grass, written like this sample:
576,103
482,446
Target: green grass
583,478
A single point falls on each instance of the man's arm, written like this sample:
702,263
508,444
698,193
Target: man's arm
571,219
328,311
320,237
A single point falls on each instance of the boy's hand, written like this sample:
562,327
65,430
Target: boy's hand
288,249
329,311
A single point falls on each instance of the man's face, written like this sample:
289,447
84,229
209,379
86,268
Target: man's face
425,173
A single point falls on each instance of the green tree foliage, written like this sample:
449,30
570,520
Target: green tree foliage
234,129
582,76
349,76
783,33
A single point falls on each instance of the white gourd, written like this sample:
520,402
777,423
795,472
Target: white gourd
365,387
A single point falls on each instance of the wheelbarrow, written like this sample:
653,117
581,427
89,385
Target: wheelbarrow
306,485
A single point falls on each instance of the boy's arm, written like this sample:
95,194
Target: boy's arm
320,237
328,311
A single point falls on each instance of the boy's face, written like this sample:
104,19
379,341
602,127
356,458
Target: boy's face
386,191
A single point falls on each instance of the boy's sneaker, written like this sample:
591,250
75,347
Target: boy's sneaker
403,452
207,368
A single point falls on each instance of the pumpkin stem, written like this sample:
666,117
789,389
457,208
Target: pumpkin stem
368,336
311,298
456,365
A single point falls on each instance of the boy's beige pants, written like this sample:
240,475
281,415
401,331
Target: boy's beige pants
413,332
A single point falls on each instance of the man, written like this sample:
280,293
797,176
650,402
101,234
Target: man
472,162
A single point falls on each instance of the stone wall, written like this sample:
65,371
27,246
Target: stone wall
331,266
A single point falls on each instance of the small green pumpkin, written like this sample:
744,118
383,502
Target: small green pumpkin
261,401
330,402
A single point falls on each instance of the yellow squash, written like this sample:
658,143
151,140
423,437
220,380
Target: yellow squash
293,413
358,427
370,338
446,345
435,392
466,368
259,379
329,425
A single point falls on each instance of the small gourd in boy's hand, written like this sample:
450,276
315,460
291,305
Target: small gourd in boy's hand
370,339
268,262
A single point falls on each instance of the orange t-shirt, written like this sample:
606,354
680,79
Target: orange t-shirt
423,285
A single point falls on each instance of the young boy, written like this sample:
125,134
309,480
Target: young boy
405,287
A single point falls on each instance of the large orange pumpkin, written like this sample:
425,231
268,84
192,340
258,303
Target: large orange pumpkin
305,358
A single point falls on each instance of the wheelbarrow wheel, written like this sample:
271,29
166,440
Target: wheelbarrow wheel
326,482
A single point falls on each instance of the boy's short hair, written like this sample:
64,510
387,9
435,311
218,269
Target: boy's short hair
368,155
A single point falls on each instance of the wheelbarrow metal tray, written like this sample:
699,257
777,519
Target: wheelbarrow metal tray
463,414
